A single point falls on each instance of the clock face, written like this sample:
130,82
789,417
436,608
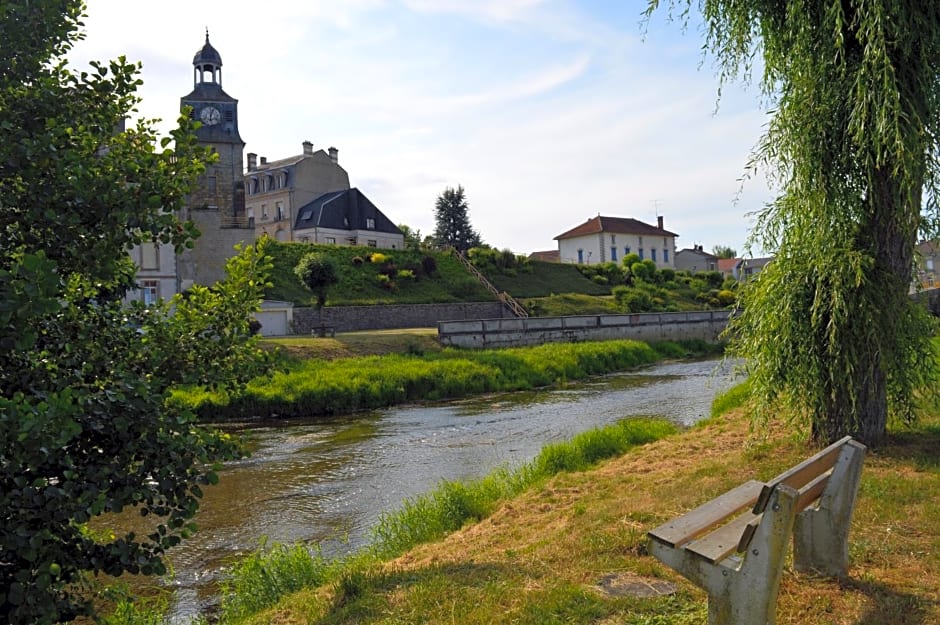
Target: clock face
210,116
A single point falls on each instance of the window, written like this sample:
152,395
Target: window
640,240
264,211
580,257
613,239
150,291
640,252
149,256
331,240
664,242
665,255
307,214
370,223
626,250
613,253
229,116
211,184
305,239
279,208
653,254
371,243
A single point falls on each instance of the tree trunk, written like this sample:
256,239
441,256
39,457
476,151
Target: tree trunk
889,234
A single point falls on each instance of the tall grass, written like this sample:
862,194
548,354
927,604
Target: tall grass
451,505
258,580
314,387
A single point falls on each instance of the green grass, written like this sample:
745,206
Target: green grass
541,279
359,283
314,387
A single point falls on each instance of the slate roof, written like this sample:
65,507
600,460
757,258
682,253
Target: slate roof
343,210
615,225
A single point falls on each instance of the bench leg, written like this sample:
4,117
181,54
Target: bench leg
742,590
821,534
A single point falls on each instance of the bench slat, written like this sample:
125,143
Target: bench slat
698,521
721,543
803,473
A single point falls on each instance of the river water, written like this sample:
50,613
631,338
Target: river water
327,481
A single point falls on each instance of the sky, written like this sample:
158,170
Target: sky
547,112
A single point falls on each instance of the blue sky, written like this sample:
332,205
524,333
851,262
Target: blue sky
548,112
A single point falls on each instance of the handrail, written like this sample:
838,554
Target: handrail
503,296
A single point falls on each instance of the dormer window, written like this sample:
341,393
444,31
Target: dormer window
370,224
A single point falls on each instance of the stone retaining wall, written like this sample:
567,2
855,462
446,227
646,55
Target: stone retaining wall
486,333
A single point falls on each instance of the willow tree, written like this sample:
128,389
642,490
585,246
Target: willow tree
828,328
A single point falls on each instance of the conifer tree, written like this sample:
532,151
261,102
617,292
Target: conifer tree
452,221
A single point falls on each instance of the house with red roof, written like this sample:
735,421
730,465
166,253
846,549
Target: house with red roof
608,239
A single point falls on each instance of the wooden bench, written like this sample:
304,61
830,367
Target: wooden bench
734,546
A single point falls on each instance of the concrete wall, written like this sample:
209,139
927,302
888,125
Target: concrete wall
384,317
486,333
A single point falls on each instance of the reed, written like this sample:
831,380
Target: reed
314,387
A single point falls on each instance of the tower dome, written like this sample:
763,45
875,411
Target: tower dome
207,64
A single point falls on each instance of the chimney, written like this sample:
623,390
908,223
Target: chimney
308,148
334,155
659,220
264,160
252,161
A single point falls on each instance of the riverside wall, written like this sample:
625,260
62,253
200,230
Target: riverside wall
391,316
486,333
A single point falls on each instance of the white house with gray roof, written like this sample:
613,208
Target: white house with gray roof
346,218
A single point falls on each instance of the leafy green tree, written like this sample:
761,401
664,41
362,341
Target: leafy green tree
86,428
413,240
724,251
452,221
318,273
852,144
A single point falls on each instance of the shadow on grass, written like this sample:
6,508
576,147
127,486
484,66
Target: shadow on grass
919,446
887,605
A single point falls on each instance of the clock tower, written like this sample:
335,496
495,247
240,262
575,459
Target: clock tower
217,205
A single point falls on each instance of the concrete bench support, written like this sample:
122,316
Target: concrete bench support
734,546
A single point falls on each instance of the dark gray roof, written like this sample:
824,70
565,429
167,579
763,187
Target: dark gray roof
207,55
343,210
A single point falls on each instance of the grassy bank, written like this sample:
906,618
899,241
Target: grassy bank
314,387
564,548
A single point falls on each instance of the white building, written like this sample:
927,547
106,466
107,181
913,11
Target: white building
608,239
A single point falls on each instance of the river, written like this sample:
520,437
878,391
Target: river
327,481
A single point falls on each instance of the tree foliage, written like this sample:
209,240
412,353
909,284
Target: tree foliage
828,326
452,221
85,426
724,251
318,273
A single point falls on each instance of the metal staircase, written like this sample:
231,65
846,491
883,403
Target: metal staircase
503,296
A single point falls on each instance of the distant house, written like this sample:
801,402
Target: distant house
346,218
547,256
608,239
742,268
275,190
696,259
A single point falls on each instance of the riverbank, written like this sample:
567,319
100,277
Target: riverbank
308,387
568,549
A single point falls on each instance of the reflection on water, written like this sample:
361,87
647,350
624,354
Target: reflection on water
328,480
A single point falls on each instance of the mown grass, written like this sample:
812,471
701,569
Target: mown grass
312,387
542,279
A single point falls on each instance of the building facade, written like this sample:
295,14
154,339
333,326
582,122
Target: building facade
696,259
608,239
276,189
